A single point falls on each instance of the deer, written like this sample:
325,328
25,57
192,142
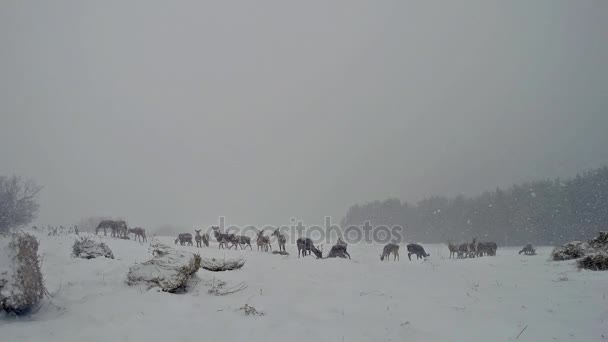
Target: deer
111,224
184,238
222,238
263,242
206,239
388,249
241,240
473,248
528,250
463,250
305,244
280,238
453,249
140,234
414,248
338,250
198,238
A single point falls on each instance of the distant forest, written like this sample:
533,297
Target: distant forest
546,212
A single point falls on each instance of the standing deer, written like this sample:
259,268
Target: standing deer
263,242
473,248
463,250
241,240
305,244
222,238
280,238
206,240
453,249
414,248
388,249
140,233
198,238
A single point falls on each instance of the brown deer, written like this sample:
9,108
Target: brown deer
263,242
528,250
338,251
306,245
140,233
280,238
198,238
241,240
388,249
473,248
184,238
453,249
414,248
223,239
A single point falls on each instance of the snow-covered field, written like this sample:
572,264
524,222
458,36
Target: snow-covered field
483,299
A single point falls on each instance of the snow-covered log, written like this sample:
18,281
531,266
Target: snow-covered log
170,269
88,249
21,282
218,265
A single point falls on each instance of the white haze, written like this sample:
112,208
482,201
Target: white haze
181,111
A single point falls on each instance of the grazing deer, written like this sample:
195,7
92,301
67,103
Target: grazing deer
453,249
184,238
528,250
198,238
305,244
338,251
241,240
414,248
280,238
491,248
206,240
114,226
388,249
140,234
263,242
223,239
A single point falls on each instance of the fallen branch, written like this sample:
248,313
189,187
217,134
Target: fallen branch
521,332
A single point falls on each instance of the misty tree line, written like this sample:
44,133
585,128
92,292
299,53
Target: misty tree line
546,212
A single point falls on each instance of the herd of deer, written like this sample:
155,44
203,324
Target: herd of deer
472,249
226,240
120,230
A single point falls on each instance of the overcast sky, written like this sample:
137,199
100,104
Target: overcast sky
181,111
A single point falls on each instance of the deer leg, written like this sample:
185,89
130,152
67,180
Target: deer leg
409,256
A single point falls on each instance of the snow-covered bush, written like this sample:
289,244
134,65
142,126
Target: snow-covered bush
218,265
21,281
88,249
571,250
170,269
579,249
597,262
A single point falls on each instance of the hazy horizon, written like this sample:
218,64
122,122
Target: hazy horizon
181,112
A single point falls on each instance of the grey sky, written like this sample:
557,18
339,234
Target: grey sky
180,111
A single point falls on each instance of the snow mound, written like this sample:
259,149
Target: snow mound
21,281
218,265
88,249
170,269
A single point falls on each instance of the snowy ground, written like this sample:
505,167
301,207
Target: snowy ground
484,299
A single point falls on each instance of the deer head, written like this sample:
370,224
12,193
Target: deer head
198,232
